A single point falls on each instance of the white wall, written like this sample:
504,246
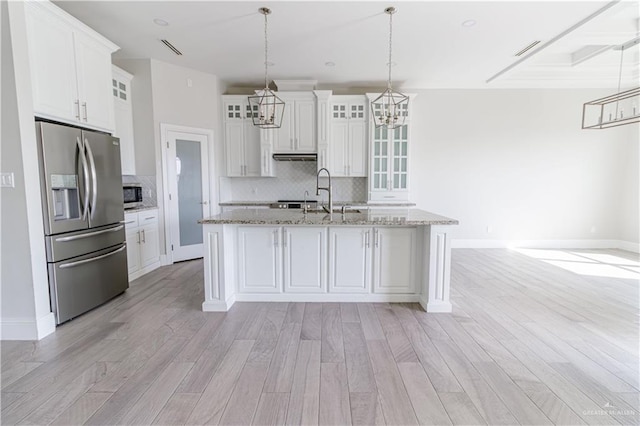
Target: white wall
518,162
25,310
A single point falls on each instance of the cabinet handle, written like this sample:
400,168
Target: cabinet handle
138,239
275,238
84,107
77,103
264,161
377,237
284,238
366,239
144,239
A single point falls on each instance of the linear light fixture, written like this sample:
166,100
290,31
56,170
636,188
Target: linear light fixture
614,110
171,47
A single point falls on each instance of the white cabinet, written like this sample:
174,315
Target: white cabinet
259,259
350,260
297,132
274,259
245,156
348,143
305,259
394,260
389,160
123,118
142,237
70,68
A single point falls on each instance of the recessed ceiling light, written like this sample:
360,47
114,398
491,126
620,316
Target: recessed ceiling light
330,64
160,22
469,23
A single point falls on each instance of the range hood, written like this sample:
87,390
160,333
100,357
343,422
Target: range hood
295,157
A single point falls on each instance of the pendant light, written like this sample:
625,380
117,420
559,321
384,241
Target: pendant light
391,108
614,110
266,108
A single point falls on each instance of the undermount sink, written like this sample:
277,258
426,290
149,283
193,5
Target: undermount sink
338,211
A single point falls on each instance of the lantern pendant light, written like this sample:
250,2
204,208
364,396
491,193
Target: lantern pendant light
265,107
391,108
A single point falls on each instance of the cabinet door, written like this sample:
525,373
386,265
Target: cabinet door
93,63
252,153
305,259
357,149
133,250
259,259
394,260
338,148
305,126
234,141
149,245
52,63
350,260
283,138
124,131
400,158
380,160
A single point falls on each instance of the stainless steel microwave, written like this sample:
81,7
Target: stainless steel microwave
132,195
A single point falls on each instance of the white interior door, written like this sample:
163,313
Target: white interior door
188,183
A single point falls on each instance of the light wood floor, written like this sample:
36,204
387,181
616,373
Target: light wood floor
529,342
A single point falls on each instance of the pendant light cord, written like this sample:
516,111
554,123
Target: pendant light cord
390,35
266,51
619,79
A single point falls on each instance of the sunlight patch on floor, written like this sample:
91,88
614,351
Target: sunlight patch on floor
586,263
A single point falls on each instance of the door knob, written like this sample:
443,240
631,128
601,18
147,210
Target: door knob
204,202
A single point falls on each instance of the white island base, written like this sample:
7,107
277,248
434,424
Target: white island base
313,262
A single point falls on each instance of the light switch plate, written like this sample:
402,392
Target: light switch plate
6,180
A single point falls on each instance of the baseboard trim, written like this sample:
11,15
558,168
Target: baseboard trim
547,244
140,272
327,297
217,305
27,328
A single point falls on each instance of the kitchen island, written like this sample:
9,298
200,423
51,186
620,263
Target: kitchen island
399,255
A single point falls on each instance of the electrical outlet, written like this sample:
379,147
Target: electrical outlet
150,194
489,229
6,180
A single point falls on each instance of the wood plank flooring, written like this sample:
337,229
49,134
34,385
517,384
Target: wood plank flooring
536,337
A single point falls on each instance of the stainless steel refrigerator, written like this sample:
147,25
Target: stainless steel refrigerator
83,217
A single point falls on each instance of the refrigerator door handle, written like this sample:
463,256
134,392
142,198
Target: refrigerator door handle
93,259
85,173
90,234
94,178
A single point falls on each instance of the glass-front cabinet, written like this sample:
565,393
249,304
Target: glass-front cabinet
389,178
389,160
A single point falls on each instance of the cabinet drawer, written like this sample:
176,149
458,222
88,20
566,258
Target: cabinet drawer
147,217
131,220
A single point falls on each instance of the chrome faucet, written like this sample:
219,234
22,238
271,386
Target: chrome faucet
326,188
305,206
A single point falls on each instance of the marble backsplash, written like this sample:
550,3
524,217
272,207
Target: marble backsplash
293,178
149,188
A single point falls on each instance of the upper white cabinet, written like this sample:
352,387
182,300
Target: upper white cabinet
123,118
389,161
348,142
297,132
246,155
70,68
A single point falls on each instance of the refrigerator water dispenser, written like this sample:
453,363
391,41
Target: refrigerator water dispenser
66,201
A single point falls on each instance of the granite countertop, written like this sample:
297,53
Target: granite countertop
140,209
395,217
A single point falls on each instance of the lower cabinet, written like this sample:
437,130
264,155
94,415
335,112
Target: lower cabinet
271,259
142,237
316,259
350,260
394,260
259,259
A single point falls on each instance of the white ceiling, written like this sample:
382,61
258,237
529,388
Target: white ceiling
431,48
